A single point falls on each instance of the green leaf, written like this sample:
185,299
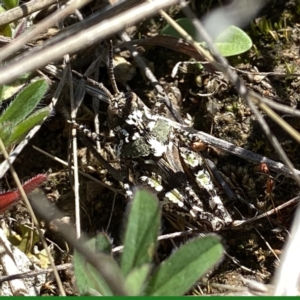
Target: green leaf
6,129
10,3
135,280
20,130
141,232
233,41
29,239
187,25
103,243
25,102
88,279
177,274
6,30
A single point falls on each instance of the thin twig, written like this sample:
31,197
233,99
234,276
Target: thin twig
35,273
266,74
74,156
266,214
280,107
167,237
267,244
236,262
96,103
24,10
275,117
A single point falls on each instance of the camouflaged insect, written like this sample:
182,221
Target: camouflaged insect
157,156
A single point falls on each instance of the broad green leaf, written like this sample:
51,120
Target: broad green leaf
141,232
136,279
103,243
177,274
187,25
10,3
25,102
20,130
233,41
88,279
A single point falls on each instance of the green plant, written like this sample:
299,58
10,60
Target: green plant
173,277
19,117
232,41
290,68
277,30
8,29
9,4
